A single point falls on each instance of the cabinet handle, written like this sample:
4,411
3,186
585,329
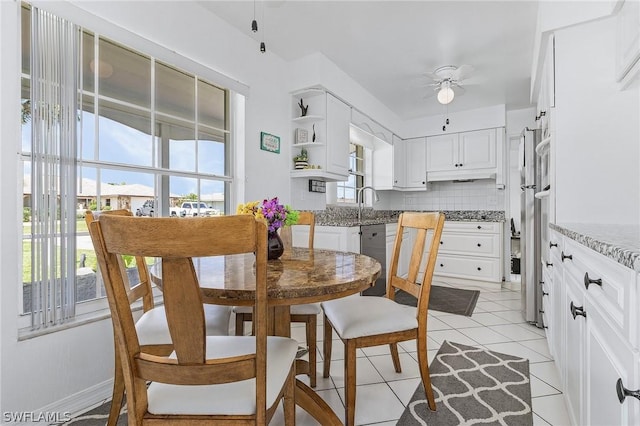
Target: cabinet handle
588,281
551,245
424,183
577,310
457,165
442,265
479,268
549,264
479,227
441,242
460,164
545,293
565,256
479,245
623,392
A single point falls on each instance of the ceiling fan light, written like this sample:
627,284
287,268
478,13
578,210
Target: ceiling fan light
445,95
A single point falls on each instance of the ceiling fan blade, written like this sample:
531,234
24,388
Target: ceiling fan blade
462,72
458,89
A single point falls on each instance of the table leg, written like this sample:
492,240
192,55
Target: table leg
308,400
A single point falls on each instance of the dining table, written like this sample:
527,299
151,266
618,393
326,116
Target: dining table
299,276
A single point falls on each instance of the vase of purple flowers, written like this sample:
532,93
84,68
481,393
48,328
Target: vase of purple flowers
276,215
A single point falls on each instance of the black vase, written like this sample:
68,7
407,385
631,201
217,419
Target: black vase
275,246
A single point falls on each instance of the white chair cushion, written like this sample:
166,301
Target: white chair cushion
235,398
304,309
152,326
358,316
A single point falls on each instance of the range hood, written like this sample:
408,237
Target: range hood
461,175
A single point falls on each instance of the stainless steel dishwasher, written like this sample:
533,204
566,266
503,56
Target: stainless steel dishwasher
373,244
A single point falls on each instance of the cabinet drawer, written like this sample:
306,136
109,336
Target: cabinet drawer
488,269
488,227
603,279
470,244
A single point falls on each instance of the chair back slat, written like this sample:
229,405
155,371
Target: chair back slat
428,228
304,218
187,327
223,370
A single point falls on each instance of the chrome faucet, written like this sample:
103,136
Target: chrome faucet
360,197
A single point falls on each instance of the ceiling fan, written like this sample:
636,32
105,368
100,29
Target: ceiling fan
447,81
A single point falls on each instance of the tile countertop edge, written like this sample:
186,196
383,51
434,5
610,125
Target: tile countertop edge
616,242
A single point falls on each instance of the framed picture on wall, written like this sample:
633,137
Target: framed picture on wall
269,142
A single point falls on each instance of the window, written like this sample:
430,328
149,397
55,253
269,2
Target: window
146,135
348,190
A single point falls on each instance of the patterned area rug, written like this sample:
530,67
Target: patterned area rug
473,386
98,416
445,299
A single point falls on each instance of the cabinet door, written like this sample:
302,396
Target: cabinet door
574,350
399,163
383,166
628,38
338,119
442,153
477,150
608,357
416,156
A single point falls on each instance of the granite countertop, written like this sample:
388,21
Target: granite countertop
348,216
620,243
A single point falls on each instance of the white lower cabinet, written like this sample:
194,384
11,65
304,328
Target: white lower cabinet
608,357
341,238
592,333
470,250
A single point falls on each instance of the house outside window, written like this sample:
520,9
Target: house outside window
146,130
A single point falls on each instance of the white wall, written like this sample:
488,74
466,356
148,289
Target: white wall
67,368
596,130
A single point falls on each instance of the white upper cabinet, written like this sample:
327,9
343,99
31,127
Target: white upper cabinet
338,120
409,164
442,152
323,133
399,163
477,150
628,39
415,163
467,155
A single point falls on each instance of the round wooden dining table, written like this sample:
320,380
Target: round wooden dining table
299,276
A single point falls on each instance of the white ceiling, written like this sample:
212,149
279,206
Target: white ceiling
387,46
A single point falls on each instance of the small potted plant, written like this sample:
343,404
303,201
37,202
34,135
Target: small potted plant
301,160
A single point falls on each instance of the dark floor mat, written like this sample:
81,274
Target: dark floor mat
445,299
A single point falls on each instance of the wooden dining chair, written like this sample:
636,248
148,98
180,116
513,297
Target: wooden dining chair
363,321
152,326
305,313
206,379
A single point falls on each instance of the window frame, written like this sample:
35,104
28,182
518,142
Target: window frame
96,309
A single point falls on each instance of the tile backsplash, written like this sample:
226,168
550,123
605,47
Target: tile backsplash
476,195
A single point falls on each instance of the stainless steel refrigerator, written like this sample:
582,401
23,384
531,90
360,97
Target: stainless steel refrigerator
531,227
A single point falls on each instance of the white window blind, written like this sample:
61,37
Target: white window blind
54,100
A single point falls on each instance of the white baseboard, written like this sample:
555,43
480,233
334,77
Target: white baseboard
63,409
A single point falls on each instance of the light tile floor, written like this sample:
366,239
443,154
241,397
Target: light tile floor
496,324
